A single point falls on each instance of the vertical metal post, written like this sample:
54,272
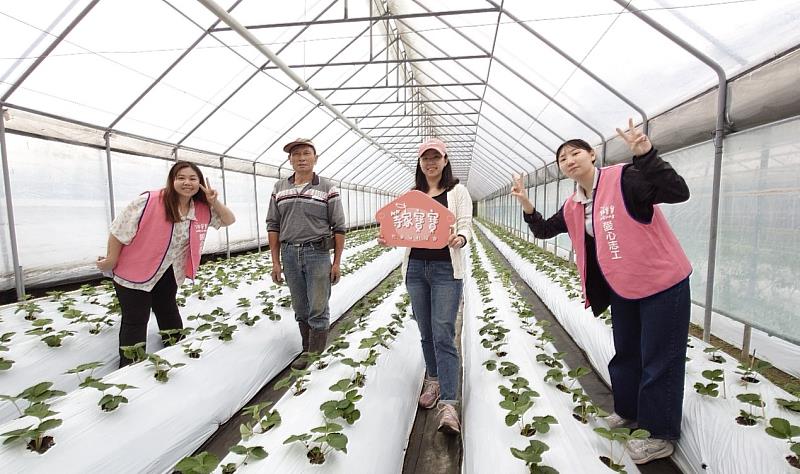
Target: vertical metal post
719,133
225,201
12,231
255,196
746,342
558,199
110,177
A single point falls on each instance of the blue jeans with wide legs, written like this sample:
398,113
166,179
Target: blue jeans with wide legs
648,369
308,274
435,296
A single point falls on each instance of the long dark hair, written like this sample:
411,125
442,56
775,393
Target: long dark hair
171,199
446,182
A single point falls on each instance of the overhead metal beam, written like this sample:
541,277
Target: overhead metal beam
249,78
376,61
169,69
406,86
49,50
518,75
576,63
365,18
230,21
429,101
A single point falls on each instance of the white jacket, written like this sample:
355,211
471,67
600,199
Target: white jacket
460,203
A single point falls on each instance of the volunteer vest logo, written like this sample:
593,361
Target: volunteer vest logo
415,220
201,229
610,235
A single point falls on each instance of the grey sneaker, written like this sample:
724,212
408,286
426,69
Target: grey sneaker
615,421
448,419
643,451
430,394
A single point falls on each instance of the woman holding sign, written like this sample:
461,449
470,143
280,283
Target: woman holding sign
629,258
154,244
434,281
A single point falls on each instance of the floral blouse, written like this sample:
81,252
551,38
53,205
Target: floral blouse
124,229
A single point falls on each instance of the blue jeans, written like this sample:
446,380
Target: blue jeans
435,295
308,274
648,369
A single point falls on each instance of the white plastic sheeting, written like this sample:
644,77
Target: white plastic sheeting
165,422
574,447
711,441
377,440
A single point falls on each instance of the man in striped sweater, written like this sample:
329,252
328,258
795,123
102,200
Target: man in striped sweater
305,221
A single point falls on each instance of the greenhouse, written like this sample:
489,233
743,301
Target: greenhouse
400,236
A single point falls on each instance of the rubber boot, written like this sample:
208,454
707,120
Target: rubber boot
302,361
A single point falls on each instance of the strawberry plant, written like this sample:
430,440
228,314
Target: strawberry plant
532,455
30,309
5,338
622,436
38,439
109,402
710,389
782,429
747,418
247,320
193,351
170,337
136,353
791,405
203,463
255,452
751,367
346,407
296,379
329,438
224,331
91,367
714,356
162,367
258,419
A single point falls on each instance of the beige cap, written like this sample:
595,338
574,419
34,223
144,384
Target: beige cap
298,141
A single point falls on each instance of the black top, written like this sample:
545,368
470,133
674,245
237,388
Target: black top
442,254
649,180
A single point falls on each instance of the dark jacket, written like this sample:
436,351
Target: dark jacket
649,180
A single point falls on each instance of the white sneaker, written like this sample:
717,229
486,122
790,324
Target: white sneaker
615,421
643,451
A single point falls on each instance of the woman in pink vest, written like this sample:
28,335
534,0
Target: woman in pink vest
154,244
629,258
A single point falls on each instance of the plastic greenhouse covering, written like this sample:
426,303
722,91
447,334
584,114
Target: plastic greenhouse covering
99,98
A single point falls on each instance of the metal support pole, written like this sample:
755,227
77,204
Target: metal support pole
110,177
719,132
745,341
225,201
255,195
19,279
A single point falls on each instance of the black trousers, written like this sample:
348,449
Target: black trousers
136,306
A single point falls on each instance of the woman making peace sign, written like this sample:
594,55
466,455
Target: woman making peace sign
629,258
154,244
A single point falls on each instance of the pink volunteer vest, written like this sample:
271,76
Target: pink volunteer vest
637,259
140,260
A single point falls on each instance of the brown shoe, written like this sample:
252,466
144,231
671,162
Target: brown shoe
448,419
430,394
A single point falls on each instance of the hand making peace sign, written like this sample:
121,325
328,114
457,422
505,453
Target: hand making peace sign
211,194
636,139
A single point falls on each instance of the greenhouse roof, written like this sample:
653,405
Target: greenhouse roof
502,82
